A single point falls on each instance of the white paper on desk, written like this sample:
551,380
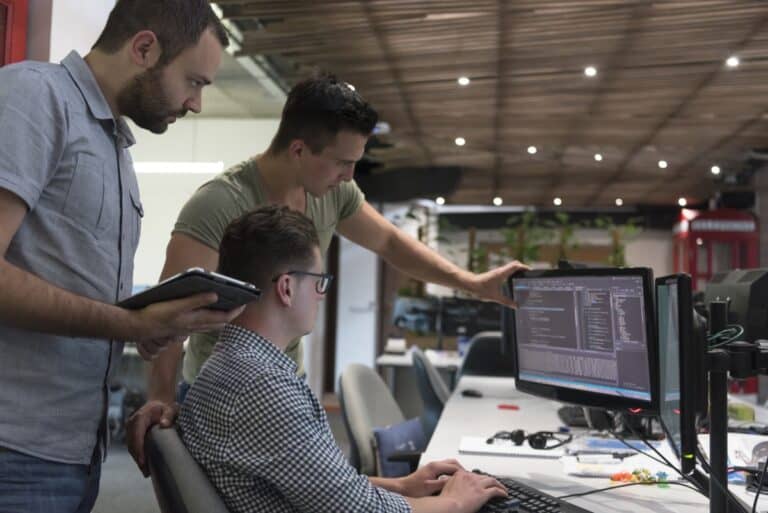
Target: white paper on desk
478,445
572,466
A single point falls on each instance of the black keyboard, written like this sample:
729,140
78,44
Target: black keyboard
525,499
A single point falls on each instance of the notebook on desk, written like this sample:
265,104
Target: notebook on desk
478,445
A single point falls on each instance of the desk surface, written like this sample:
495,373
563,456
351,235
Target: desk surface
440,359
546,474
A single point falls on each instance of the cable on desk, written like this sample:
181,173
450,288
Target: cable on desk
760,486
726,491
614,487
708,469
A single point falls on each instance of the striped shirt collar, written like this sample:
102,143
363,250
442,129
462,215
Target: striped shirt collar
248,343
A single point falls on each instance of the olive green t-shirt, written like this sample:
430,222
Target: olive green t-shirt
228,196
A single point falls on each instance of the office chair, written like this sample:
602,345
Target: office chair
366,403
484,357
433,390
180,484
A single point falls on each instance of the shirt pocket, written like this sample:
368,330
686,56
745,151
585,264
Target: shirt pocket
85,196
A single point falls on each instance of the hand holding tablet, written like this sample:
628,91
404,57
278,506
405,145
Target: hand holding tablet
231,292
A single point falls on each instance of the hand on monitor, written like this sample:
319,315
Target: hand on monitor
490,285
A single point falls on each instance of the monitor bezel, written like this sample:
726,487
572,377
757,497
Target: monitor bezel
589,398
686,372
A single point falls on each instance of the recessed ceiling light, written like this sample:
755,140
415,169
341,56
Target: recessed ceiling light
440,200
663,164
598,157
463,81
715,170
557,202
498,201
460,141
532,150
732,61
590,71
682,202
619,202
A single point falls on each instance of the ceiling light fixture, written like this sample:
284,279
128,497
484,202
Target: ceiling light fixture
498,201
733,61
715,170
557,202
598,157
590,71
440,200
663,164
460,141
463,81
619,202
532,150
682,202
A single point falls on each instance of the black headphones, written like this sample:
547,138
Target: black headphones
537,440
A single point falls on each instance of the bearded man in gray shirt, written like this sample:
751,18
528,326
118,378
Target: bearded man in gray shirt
70,216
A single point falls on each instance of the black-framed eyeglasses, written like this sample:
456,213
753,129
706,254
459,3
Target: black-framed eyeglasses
323,279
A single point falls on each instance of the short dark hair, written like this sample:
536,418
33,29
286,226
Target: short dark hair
265,242
317,109
178,25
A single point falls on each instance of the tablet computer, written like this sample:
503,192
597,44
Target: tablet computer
232,293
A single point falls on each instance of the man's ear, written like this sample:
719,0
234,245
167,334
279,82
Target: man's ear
284,289
144,49
297,148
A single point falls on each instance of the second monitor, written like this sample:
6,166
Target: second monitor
586,336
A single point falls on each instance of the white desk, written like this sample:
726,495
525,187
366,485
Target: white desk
440,359
396,369
464,416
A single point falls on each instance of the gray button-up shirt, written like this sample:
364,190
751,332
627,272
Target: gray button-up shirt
63,153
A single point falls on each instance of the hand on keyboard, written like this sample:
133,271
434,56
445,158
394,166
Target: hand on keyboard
526,499
470,491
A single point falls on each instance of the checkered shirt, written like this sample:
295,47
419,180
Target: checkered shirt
262,437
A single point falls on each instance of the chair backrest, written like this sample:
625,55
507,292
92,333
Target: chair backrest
433,390
366,403
180,484
484,357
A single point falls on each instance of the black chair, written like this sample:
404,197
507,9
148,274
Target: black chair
180,484
432,389
485,358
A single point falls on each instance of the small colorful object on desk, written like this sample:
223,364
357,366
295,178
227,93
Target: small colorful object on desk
642,475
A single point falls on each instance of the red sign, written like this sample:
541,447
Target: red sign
13,31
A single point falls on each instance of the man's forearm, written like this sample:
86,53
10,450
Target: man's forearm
162,374
28,302
392,484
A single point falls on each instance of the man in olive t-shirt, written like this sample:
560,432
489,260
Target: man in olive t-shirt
308,167
228,196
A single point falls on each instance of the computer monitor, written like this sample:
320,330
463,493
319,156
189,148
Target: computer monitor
587,336
746,291
677,350
417,315
472,315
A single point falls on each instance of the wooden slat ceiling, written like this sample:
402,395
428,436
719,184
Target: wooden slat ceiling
662,91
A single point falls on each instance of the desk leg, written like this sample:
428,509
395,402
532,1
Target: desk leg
390,377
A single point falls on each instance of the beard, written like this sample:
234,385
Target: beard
144,101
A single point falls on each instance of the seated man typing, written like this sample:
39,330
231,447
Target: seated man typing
257,429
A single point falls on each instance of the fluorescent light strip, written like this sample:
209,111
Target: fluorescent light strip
178,168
